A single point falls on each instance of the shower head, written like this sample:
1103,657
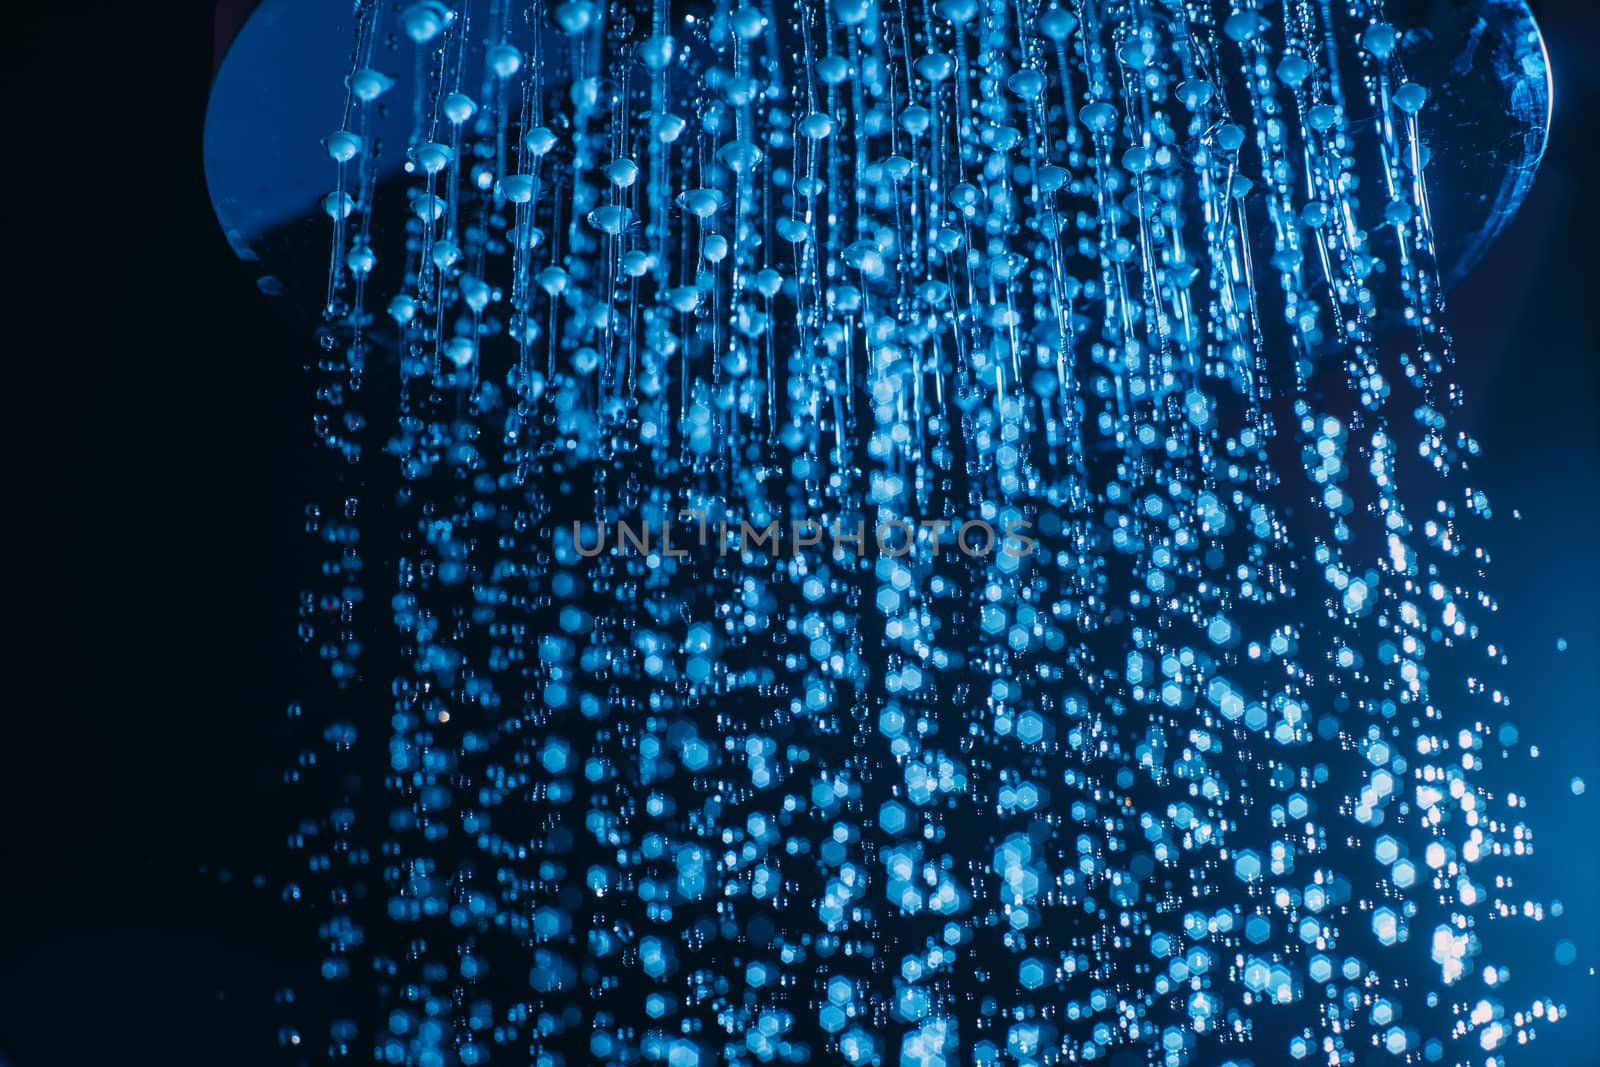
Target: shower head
276,98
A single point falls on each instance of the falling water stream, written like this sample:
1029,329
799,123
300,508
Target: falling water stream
898,532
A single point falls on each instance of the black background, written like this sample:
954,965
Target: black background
157,438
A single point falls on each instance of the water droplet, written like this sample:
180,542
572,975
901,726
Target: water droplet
424,21
368,85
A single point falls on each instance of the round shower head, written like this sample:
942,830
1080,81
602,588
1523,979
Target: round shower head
275,99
